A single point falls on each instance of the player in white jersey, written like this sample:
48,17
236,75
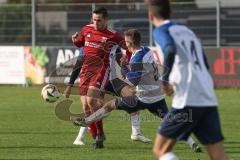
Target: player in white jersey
143,73
194,107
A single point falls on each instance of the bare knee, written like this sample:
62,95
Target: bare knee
127,91
83,100
109,106
92,102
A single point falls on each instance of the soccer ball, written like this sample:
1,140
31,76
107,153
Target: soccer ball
50,93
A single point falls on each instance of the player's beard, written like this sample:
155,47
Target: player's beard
100,27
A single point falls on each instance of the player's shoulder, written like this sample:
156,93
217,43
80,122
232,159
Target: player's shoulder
143,50
115,34
88,27
179,29
140,54
162,35
112,31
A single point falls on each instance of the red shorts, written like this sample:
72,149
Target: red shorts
97,78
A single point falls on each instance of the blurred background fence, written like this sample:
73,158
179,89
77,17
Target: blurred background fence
53,24
35,35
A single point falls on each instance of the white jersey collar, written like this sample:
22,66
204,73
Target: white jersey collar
165,22
138,50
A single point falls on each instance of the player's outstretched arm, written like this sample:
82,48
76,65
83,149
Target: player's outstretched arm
74,37
75,73
67,91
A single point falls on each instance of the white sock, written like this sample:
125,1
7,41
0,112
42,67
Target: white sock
135,120
81,134
190,141
99,114
169,156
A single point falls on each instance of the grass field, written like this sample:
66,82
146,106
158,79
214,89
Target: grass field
30,130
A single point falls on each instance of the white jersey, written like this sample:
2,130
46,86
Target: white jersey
189,76
144,74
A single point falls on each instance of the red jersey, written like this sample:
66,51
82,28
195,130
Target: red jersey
96,48
97,44
90,37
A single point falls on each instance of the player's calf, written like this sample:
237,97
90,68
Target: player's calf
216,151
162,146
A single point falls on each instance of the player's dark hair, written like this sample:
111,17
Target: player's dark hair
102,11
134,34
160,8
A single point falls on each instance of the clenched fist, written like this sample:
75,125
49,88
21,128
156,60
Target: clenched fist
74,37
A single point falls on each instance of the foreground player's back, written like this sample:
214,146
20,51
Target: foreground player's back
189,72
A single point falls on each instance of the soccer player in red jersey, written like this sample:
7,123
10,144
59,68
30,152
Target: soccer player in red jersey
97,40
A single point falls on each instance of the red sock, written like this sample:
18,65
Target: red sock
99,126
92,129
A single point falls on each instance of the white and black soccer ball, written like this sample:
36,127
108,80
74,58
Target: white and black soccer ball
50,93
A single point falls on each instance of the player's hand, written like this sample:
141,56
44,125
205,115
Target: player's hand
74,37
67,91
167,89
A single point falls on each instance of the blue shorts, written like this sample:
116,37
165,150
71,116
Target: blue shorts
204,122
131,104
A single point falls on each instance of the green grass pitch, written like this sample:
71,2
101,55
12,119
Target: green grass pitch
30,130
